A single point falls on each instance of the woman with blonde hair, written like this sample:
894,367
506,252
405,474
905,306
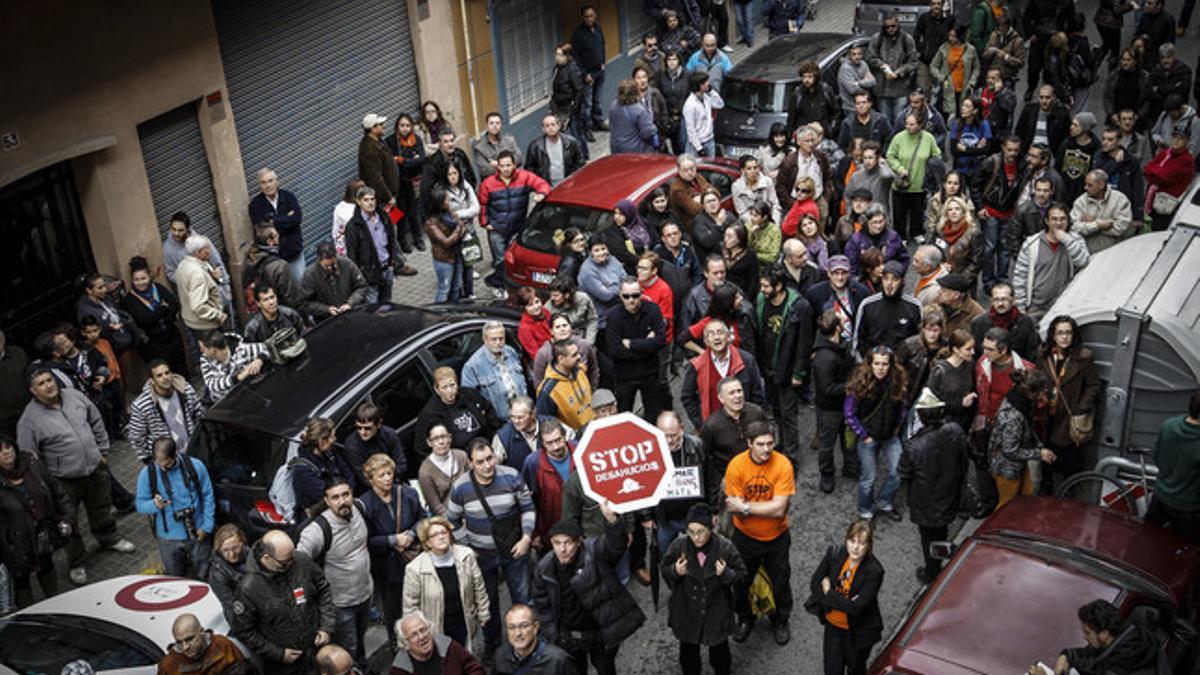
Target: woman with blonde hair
463,411
391,511
959,238
446,584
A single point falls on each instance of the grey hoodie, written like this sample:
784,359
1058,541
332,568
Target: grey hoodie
69,438
1160,135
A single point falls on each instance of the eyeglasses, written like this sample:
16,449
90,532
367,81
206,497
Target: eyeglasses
523,626
365,427
441,437
631,296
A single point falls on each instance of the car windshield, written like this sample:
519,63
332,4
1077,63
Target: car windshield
543,230
34,645
749,95
238,455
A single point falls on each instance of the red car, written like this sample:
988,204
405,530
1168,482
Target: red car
1009,595
586,201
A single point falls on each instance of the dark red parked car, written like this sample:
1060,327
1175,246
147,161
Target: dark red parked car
1009,595
586,201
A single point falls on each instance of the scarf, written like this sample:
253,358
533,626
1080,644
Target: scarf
951,232
407,141
150,297
20,467
1005,320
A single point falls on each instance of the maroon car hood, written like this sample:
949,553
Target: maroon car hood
1153,551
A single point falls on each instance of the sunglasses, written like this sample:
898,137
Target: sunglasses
631,296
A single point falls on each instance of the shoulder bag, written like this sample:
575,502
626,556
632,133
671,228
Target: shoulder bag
506,531
904,182
1082,425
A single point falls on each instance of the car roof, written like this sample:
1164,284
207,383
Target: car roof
1152,551
144,604
281,400
607,180
779,58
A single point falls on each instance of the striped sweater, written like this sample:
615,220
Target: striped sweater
505,494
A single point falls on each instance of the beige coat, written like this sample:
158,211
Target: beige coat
423,589
200,300
1113,207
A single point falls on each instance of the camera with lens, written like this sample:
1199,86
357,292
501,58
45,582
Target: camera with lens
188,518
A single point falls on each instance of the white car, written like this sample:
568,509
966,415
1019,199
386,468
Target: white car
120,625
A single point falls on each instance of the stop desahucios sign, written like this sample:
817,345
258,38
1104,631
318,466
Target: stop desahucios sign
625,460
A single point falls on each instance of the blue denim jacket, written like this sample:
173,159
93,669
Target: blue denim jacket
482,373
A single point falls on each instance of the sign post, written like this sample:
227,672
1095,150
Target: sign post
625,460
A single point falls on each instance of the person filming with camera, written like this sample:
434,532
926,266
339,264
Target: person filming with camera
175,491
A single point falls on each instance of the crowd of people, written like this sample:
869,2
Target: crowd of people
847,277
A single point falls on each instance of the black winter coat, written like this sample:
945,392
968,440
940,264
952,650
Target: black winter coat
862,605
225,577
821,106
387,564
267,617
22,517
566,88
1057,126
546,659
1022,337
597,586
436,412
361,248
831,367
934,467
702,603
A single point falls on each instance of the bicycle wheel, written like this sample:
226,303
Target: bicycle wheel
1091,487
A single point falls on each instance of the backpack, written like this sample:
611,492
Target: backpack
1080,72
251,280
190,479
326,529
282,493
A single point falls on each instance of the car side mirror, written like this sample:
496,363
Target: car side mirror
942,550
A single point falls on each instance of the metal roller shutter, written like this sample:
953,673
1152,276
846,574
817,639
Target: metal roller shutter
637,24
301,75
527,37
180,178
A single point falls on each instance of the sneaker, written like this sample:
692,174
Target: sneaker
78,576
727,49
123,546
742,630
866,516
827,483
406,271
892,514
499,293
474,274
782,633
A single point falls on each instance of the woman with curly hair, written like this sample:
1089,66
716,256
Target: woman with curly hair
432,125
1013,441
953,185
875,407
959,238
1075,389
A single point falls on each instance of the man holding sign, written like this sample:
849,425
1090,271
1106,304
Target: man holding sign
758,485
687,483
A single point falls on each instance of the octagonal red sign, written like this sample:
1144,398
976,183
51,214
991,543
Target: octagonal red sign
625,460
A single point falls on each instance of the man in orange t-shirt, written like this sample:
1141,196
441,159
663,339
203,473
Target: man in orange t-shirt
758,486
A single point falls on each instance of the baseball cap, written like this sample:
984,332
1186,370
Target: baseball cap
371,119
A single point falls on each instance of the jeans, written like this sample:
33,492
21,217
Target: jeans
516,575
667,531
382,293
449,280
867,453
889,106
176,554
773,556
592,112
707,148
296,265
95,494
351,626
995,253
497,244
745,21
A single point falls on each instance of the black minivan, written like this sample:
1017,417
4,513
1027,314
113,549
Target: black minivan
384,354
758,89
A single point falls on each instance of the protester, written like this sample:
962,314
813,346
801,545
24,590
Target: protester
955,68
1074,395
952,379
155,310
527,652
486,148
1003,313
918,353
888,317
1175,502
444,154
174,250
440,469
702,570
271,317
534,328
565,392
519,437
167,407
464,413
202,306
1168,175
784,324
566,99
838,293
446,232
554,156
1013,441
996,191
627,237
959,238
909,154
408,152
224,362
371,244
632,124
391,510
200,651
892,55
318,462
587,45
333,286
1046,263
1114,644
279,576
844,594
423,651
230,560
933,467
494,370
875,409
709,226
545,472
697,111
263,266
33,509
175,491
445,584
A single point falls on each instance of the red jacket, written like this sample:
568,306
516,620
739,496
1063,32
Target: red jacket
533,333
992,392
660,294
707,378
1171,171
791,222
547,488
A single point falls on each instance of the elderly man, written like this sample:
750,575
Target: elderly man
280,209
1003,313
284,607
800,272
554,156
1046,263
518,438
686,189
719,361
494,370
424,652
723,433
224,363
200,651
174,249
335,660
927,263
805,160
66,431
490,143
527,652
332,286
200,303
956,302
1101,215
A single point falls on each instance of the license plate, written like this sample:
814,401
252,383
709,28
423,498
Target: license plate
906,18
736,151
543,277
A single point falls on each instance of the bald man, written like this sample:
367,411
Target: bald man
333,660
197,651
527,651
301,614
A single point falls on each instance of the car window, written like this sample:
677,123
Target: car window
238,455
753,96
403,394
37,646
544,227
718,179
454,350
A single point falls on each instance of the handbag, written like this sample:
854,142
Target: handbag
412,550
471,248
1080,426
506,531
1164,203
904,182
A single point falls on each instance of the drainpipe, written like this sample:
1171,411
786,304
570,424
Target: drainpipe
462,6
